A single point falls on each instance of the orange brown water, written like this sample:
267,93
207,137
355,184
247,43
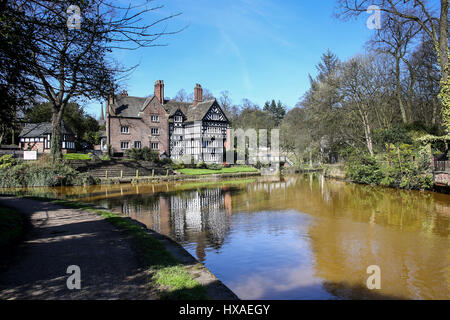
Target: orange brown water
301,237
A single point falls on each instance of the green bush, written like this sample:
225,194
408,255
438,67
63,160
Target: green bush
178,166
143,154
363,169
214,166
201,165
405,167
7,161
42,174
105,157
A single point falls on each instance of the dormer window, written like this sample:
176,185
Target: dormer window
178,119
125,129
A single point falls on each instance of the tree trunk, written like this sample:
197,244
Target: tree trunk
434,104
412,81
389,153
368,134
399,90
443,40
443,57
56,141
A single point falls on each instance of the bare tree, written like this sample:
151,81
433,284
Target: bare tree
181,96
394,38
71,42
433,21
363,89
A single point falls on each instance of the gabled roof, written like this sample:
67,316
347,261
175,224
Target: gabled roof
130,107
126,106
171,107
34,130
200,110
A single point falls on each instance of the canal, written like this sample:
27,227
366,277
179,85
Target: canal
298,237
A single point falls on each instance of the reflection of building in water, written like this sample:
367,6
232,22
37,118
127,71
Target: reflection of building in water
201,217
201,211
193,216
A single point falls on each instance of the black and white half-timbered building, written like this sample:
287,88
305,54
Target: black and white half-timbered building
199,134
189,132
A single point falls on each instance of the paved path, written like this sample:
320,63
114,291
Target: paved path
62,237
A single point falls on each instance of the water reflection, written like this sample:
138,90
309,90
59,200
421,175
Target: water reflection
300,237
196,216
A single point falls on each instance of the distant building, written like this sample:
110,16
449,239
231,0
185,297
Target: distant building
184,131
38,136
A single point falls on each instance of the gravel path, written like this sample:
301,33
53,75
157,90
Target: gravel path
62,237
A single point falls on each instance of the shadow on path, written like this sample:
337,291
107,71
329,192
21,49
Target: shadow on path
62,237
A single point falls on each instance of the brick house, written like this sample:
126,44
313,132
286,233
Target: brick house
38,137
184,131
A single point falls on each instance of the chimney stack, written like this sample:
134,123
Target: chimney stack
111,97
159,90
198,94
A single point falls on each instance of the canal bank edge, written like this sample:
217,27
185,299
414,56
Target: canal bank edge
215,289
180,177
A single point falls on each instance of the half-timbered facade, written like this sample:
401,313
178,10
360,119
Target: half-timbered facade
38,137
186,131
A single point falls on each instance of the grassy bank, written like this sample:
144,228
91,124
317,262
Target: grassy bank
167,274
222,183
196,172
76,156
16,173
11,228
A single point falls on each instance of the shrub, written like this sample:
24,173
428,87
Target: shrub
105,157
42,174
214,166
409,168
201,165
143,154
363,169
7,161
177,166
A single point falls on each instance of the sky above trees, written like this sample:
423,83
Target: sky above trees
255,49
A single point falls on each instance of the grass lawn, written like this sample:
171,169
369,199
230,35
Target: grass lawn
196,172
76,156
11,227
221,183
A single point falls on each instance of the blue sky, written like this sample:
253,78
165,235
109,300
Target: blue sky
255,49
